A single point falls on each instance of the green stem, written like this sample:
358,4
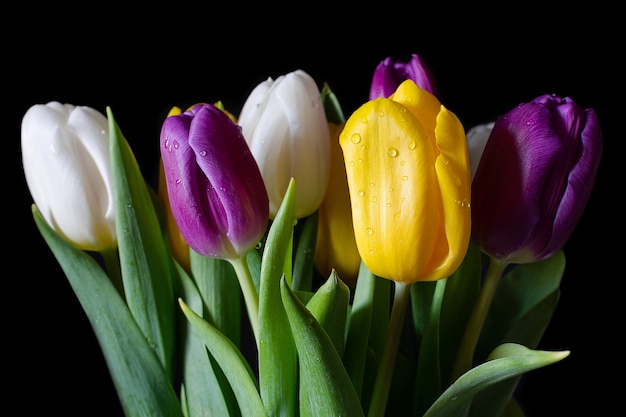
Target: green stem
112,267
465,355
382,385
250,295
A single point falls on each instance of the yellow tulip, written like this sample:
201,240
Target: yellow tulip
409,179
336,247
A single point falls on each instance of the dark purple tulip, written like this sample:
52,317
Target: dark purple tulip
215,188
534,179
390,73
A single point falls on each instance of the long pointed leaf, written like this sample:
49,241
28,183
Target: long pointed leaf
506,361
277,352
329,389
232,362
148,283
143,387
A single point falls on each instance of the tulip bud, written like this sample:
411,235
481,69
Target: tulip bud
336,247
390,73
535,178
215,189
65,154
284,123
476,139
408,175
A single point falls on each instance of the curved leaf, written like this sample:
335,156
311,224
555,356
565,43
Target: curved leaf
506,361
142,385
232,362
329,389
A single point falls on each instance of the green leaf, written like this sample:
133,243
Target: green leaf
358,334
277,352
506,361
332,108
329,306
522,307
305,249
146,274
521,289
206,390
329,391
142,385
428,376
219,288
462,290
232,362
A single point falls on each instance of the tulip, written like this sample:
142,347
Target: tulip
336,246
535,178
476,140
65,155
284,123
390,73
215,189
409,180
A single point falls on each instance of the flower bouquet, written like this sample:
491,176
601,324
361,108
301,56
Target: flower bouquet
292,261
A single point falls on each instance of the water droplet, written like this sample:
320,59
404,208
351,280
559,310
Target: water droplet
364,120
369,231
167,144
352,163
360,161
412,145
355,138
202,153
178,181
361,193
371,251
392,152
404,178
445,161
259,245
381,114
374,199
388,204
175,144
403,163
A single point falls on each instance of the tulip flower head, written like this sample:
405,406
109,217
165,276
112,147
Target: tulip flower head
215,189
284,123
408,174
534,178
390,73
65,154
336,247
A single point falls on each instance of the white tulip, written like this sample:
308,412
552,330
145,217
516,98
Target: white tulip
476,140
285,125
65,155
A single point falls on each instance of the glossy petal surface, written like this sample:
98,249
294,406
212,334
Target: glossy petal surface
215,188
65,154
408,173
535,178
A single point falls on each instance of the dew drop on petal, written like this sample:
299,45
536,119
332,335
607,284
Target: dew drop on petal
355,138
369,231
392,152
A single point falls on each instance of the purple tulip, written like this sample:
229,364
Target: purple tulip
390,73
534,179
216,192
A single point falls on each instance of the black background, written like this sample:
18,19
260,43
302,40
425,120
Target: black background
141,63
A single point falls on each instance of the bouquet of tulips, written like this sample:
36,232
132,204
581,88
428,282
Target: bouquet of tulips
295,262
